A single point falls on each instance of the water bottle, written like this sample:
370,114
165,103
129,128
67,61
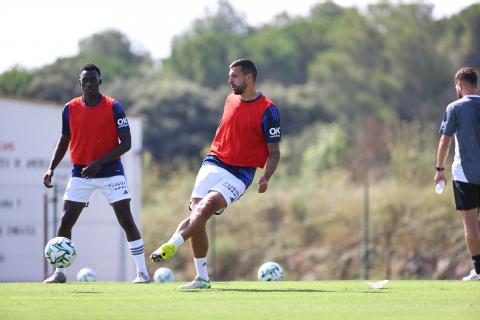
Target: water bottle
440,186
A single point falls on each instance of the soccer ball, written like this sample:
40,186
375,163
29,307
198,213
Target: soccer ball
86,275
163,275
60,252
270,271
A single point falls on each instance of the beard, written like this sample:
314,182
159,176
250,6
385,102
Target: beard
459,95
240,89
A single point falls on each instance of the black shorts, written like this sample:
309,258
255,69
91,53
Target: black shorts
467,195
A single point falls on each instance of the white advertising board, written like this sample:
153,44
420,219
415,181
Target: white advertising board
28,136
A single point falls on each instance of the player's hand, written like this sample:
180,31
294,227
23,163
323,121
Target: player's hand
91,170
262,184
440,175
47,178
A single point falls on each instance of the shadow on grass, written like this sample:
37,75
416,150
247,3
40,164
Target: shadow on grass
274,290
288,290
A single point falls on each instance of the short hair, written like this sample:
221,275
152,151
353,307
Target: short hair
90,67
247,67
468,75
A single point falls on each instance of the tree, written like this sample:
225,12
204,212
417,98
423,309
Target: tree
58,82
411,57
15,81
111,43
178,122
204,58
203,53
225,20
460,38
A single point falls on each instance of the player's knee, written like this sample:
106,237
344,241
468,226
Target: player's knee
204,209
126,221
66,222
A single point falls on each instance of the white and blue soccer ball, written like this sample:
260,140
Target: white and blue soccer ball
163,275
86,275
270,271
60,252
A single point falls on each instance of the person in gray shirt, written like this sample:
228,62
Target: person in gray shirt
462,120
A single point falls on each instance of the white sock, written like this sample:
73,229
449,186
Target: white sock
137,251
177,239
62,270
201,267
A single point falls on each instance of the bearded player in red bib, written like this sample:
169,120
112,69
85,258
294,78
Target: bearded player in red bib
97,130
247,138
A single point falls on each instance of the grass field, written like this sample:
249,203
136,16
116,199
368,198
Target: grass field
242,300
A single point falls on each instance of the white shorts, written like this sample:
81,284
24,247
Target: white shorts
214,178
113,188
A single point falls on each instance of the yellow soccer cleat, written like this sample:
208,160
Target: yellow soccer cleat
165,252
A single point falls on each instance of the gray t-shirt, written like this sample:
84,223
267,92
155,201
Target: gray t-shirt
462,119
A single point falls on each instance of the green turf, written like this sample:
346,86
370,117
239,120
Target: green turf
242,300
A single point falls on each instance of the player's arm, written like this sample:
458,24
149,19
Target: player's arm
123,131
447,129
60,149
58,154
271,132
442,153
270,167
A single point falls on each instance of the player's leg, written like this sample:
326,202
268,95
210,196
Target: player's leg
199,240
472,235
167,250
125,219
478,218
467,201
71,212
205,179
77,195
199,243
202,210
215,188
472,238
177,238
116,191
226,190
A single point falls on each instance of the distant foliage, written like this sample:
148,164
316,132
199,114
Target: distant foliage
178,119
112,43
15,81
58,82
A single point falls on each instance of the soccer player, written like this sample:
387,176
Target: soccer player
97,130
247,138
462,120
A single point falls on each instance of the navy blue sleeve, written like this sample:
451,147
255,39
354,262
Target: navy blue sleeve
120,118
66,120
449,123
271,125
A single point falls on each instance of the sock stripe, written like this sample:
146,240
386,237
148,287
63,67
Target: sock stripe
137,250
